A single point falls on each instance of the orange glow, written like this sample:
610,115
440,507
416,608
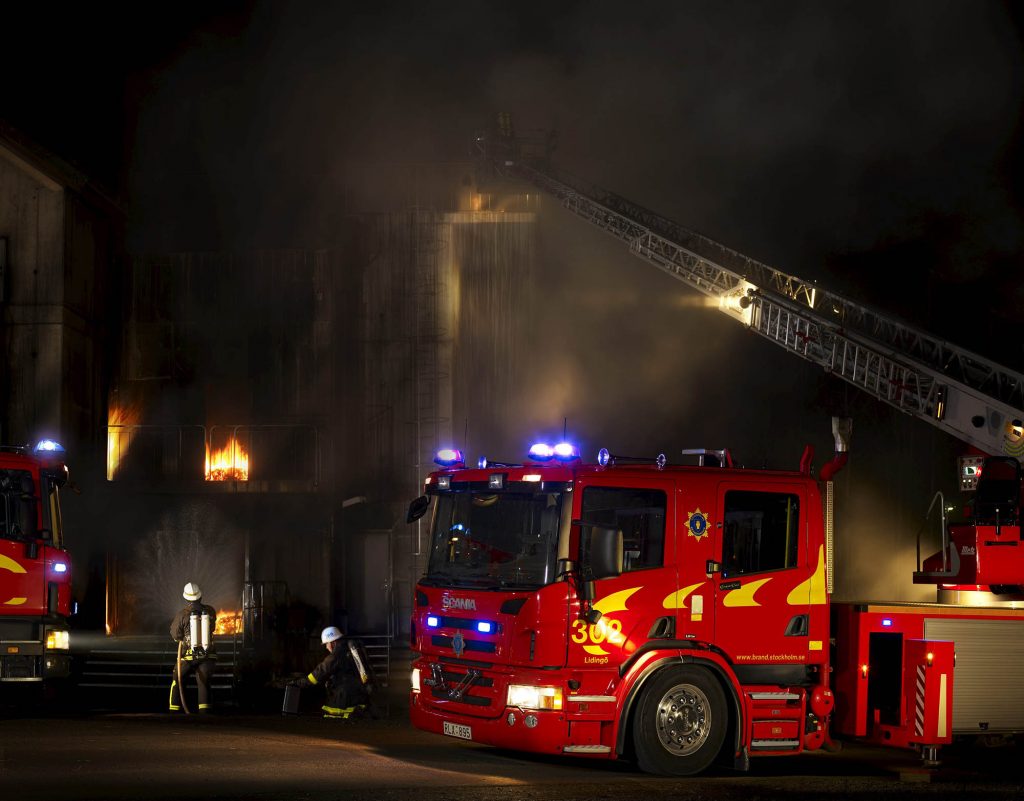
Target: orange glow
228,622
120,419
230,463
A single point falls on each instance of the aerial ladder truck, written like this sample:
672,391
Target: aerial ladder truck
681,613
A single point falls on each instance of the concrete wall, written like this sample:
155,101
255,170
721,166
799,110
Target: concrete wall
60,287
32,217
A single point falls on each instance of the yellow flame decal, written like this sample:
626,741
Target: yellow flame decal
15,602
616,602
812,591
744,596
677,599
6,563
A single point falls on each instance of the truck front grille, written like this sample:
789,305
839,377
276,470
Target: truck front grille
470,645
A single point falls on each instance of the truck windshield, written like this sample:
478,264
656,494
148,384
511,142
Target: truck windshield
503,540
17,491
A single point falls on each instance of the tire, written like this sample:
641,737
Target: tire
680,722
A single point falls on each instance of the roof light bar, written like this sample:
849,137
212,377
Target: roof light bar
563,452
449,457
541,452
566,452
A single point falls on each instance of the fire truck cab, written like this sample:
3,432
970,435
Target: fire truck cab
677,614
35,570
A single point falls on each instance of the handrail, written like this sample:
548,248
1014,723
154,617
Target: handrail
945,534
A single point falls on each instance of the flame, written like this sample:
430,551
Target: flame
119,420
229,621
230,463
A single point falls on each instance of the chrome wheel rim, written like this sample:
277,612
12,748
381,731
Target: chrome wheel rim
683,720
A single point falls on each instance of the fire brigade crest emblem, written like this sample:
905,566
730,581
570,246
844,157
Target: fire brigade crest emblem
697,523
458,643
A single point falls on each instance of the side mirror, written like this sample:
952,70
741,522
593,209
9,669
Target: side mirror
601,552
417,509
587,611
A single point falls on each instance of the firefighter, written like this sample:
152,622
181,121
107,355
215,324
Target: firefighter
193,630
345,675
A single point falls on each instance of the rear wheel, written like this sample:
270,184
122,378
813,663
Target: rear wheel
680,723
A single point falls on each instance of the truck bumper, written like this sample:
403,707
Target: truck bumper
548,734
32,663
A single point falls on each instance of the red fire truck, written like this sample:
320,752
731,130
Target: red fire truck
35,570
683,614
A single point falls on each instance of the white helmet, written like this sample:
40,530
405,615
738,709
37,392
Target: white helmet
192,592
330,634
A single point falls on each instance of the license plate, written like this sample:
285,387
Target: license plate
458,730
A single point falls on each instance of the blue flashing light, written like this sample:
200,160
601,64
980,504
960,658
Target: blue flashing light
433,621
60,567
541,452
566,452
603,457
485,627
887,622
49,446
482,462
448,457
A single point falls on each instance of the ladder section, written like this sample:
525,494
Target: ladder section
967,396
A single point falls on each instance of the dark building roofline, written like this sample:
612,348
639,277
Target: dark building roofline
53,171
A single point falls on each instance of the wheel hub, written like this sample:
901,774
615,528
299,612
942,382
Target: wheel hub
684,719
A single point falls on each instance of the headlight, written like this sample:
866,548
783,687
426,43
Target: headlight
415,680
57,640
526,696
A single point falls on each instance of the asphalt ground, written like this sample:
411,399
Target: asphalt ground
226,755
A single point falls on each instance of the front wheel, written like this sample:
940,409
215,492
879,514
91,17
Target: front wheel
680,723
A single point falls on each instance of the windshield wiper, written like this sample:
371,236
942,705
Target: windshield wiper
510,584
455,580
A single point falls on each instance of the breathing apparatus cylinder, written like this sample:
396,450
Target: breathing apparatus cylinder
364,677
199,632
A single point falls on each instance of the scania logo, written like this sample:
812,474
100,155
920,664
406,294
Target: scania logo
454,602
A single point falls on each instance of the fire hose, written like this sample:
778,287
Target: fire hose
181,687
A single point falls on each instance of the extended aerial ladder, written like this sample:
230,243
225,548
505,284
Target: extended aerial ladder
966,395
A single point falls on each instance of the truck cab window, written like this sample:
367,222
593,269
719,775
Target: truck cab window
53,526
18,515
761,532
638,513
